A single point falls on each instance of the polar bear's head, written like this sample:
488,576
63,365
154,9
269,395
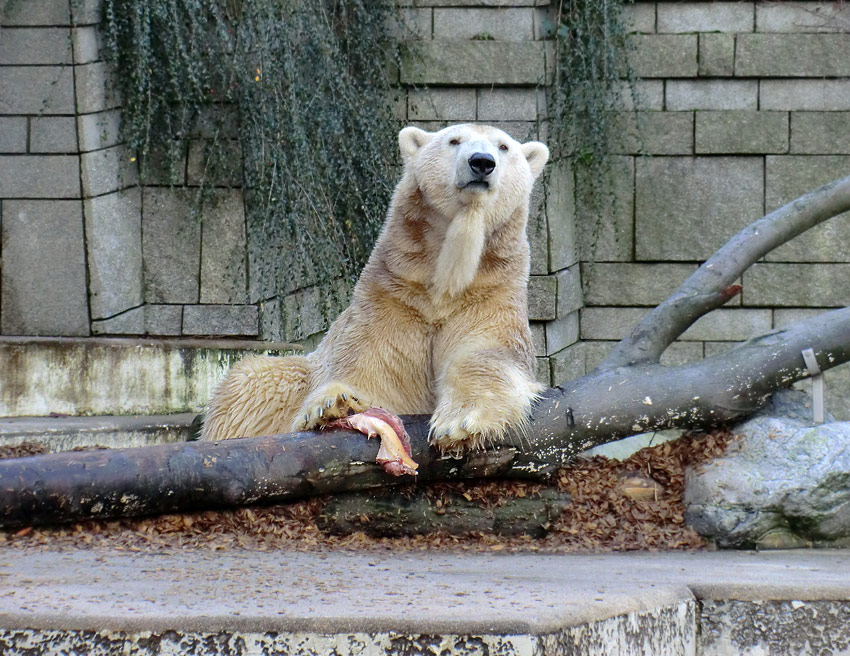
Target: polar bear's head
467,164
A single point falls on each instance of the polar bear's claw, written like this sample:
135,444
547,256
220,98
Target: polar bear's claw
326,404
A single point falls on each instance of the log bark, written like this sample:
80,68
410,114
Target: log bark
390,514
629,393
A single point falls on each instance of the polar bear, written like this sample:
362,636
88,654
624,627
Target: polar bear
438,322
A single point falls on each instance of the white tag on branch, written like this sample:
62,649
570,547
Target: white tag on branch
817,384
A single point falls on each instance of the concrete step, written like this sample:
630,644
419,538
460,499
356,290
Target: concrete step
211,603
65,433
42,376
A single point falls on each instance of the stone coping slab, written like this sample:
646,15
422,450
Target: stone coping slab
425,593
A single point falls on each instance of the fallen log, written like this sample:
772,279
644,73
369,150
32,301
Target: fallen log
389,513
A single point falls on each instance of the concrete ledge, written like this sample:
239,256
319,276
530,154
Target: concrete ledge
401,603
40,376
66,433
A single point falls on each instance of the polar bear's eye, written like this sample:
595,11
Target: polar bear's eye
455,142
503,147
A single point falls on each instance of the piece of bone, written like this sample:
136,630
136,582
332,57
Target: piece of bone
394,453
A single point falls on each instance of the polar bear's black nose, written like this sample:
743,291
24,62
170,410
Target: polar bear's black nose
482,163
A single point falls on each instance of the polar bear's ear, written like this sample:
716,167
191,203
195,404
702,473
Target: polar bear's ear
411,140
537,155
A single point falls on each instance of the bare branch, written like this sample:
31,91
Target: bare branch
711,285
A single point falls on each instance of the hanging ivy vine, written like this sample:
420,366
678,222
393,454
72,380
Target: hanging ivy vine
592,90
313,140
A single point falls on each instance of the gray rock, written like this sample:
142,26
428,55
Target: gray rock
785,482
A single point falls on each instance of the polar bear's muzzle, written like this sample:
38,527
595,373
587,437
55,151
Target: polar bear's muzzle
476,167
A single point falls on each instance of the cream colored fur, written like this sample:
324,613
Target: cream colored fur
438,322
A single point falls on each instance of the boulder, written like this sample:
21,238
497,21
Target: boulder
783,483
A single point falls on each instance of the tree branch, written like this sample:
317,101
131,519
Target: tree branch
711,285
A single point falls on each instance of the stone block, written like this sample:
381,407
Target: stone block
663,55
270,320
37,90
410,23
610,322
712,94
310,311
639,17
163,320
223,247
656,133
783,316
53,134
157,170
99,130
538,336
441,104
95,90
559,192
729,324
475,62
230,173
820,133
568,364
562,332
537,232
222,320
613,283
792,55
484,23
35,45
39,176
570,296
716,55
605,212
512,104
108,170
741,131
86,12
522,131
778,284
114,243
171,241
805,95
542,371
13,134
87,44
43,268
687,208
717,348
805,16
789,177
682,17
42,12
544,22
131,322
542,298
638,95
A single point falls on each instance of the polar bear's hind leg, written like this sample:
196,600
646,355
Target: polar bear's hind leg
259,396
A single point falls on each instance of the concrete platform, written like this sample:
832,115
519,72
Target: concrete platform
241,602
65,433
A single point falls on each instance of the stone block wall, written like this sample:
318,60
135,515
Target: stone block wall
741,106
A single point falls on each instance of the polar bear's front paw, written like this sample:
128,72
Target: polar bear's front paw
326,404
455,433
